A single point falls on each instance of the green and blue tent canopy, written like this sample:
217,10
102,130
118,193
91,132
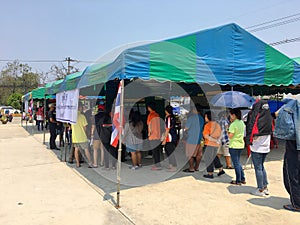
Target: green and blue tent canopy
225,55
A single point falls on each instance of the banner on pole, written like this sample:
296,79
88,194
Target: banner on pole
116,119
67,106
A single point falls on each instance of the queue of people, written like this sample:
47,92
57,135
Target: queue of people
225,136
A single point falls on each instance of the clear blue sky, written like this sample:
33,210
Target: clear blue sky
87,29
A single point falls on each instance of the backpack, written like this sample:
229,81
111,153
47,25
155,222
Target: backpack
259,121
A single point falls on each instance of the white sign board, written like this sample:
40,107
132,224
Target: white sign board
67,106
26,106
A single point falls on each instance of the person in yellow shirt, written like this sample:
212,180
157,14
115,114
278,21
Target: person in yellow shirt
79,138
236,134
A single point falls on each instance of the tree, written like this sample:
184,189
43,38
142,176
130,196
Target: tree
14,100
60,71
17,78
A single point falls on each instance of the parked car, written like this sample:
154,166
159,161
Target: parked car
7,110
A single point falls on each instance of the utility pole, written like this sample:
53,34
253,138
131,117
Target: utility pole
69,60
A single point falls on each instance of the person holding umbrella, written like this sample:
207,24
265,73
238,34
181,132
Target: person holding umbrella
224,147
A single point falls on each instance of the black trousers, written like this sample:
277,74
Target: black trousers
110,152
52,137
169,148
211,159
155,145
291,172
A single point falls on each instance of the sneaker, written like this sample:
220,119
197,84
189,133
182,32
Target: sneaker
266,191
257,192
156,168
148,157
208,176
133,167
221,173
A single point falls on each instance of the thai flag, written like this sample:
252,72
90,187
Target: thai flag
116,119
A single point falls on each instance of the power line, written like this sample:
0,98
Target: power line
275,25
272,21
33,61
285,41
45,61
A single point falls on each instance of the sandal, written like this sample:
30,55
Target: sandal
188,170
234,182
173,169
291,208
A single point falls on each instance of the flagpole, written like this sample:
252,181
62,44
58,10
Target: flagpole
120,143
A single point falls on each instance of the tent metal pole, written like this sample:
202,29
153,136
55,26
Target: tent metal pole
44,130
65,141
22,112
120,144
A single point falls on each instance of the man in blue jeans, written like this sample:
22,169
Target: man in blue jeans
288,128
291,174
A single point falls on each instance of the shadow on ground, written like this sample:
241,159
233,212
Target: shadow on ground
271,202
107,182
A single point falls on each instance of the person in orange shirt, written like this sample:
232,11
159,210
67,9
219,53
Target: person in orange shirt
212,134
154,134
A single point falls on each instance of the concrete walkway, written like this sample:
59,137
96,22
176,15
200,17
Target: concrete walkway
37,188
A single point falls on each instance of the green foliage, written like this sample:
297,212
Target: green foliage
17,78
14,100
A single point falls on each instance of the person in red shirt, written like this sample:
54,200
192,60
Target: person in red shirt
40,118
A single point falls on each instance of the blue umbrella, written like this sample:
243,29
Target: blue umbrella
232,99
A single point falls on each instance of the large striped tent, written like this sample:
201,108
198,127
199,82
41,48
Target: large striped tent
225,55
